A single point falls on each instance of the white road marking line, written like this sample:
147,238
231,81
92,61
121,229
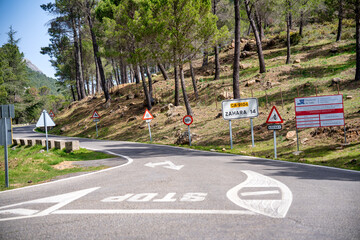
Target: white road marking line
257,193
273,208
19,211
130,160
154,211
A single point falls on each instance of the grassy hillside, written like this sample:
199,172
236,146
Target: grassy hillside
318,62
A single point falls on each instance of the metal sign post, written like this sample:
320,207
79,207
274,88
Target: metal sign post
47,142
148,117
188,120
96,129
45,121
231,141
252,132
96,118
273,118
6,113
6,156
240,108
189,135
275,156
148,122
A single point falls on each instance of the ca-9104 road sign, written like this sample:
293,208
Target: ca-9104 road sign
240,108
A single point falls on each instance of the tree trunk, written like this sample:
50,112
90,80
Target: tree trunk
193,80
117,77
136,74
249,30
78,69
288,53
163,71
205,58
340,16
150,82
216,51
123,72
183,87
98,86
357,20
258,24
92,85
301,23
73,93
96,54
83,81
236,88
146,92
131,74
257,38
290,14
176,77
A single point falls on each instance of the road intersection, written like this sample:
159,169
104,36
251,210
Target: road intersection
164,192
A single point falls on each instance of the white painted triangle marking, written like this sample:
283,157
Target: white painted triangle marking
61,200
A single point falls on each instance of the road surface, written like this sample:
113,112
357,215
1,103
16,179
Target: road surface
164,192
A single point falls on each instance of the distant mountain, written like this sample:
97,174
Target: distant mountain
30,65
38,79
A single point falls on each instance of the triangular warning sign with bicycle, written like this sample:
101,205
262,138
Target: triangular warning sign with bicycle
95,115
274,116
147,115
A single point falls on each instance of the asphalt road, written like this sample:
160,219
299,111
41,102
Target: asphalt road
162,192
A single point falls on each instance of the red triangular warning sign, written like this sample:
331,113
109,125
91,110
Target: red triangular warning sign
274,116
52,115
147,115
95,115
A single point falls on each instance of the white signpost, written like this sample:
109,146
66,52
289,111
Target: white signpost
274,117
96,118
240,108
188,120
321,111
148,117
45,121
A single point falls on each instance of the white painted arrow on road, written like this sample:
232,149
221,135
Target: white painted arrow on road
169,164
60,200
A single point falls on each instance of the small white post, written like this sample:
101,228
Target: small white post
189,135
149,131
252,132
46,133
275,144
231,141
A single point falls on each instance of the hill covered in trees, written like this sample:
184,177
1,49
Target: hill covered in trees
42,82
30,91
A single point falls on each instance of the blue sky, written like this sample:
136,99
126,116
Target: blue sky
29,20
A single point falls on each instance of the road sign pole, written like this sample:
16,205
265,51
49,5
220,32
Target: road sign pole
6,155
345,133
189,135
47,142
231,141
252,132
275,144
149,131
297,139
96,130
